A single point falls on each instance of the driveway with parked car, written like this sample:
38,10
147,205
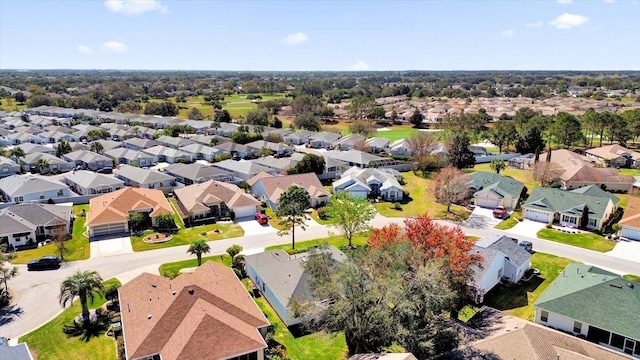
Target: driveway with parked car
252,227
481,218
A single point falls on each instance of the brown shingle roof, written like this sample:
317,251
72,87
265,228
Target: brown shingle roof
274,186
115,206
204,315
198,196
631,215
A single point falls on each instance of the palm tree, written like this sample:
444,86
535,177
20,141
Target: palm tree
97,147
16,153
84,285
197,248
41,165
497,165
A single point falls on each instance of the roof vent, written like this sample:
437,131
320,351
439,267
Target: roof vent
630,285
153,285
173,292
149,317
191,291
617,286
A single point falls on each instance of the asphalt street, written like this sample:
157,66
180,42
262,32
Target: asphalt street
37,291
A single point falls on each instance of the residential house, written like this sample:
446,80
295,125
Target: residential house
568,208
521,162
54,137
131,157
215,199
207,314
630,222
201,152
237,150
502,260
108,144
86,182
359,158
377,144
173,142
586,175
109,213
31,187
225,129
269,188
56,164
140,143
169,155
29,148
145,178
89,160
26,224
349,142
489,190
275,148
400,147
323,139
280,165
242,169
594,303
18,138
363,183
615,155
198,173
299,137
282,279
14,352
8,167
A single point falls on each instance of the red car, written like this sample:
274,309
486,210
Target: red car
262,219
500,211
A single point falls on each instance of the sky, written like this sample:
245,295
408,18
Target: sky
289,35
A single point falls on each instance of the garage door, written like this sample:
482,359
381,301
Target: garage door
630,233
244,211
487,203
536,215
109,229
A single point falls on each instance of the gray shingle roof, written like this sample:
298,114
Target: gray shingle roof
142,176
20,185
26,217
90,179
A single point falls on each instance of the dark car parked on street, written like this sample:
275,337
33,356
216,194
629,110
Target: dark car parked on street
44,263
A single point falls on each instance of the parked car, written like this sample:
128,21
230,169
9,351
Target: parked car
262,219
526,245
500,211
44,263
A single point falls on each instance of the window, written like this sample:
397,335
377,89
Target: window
593,222
499,274
19,199
617,341
544,316
577,327
60,192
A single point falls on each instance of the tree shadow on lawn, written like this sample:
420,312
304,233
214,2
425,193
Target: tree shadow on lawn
9,314
94,328
503,297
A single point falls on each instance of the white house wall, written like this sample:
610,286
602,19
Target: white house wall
492,274
560,322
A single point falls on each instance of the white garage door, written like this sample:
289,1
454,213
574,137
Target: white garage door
536,215
630,233
109,229
487,203
244,211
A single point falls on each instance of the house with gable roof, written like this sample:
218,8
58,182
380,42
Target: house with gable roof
370,182
86,182
145,178
32,187
8,167
615,155
207,314
568,208
89,160
269,188
594,303
630,221
214,199
26,223
489,190
196,173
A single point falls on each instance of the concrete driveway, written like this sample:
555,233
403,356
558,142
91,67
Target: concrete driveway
629,250
252,227
110,246
527,227
481,218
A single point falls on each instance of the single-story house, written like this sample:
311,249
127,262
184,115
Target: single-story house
214,199
584,175
615,155
489,190
86,182
269,188
594,303
377,144
323,139
56,164
370,182
14,352
280,165
173,142
32,187
282,279
169,155
349,142
201,152
109,213
630,222
196,173
131,157
206,314
502,260
89,160
358,158
54,137
275,148
243,169
145,178
236,150
568,208
400,147
25,224
299,137
138,143
36,148
8,167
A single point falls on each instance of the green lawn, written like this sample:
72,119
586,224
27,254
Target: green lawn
186,235
49,342
338,241
397,132
237,105
274,221
628,172
523,176
173,268
634,278
77,248
318,346
584,240
10,104
510,222
518,300
421,201
314,216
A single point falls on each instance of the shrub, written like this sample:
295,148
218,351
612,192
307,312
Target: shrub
549,226
397,206
322,213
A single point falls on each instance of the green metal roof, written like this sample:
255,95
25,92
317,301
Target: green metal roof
491,181
569,202
595,296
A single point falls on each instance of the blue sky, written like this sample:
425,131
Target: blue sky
320,35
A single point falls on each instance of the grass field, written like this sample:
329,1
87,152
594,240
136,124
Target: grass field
77,248
236,105
338,241
9,104
49,342
397,132
584,240
510,222
629,172
518,300
421,201
186,235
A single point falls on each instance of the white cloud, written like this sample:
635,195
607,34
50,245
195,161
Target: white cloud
296,38
565,1
507,33
83,49
114,47
609,1
360,66
135,7
534,24
566,21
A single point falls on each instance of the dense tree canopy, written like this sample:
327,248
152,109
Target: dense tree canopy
458,152
309,163
292,207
